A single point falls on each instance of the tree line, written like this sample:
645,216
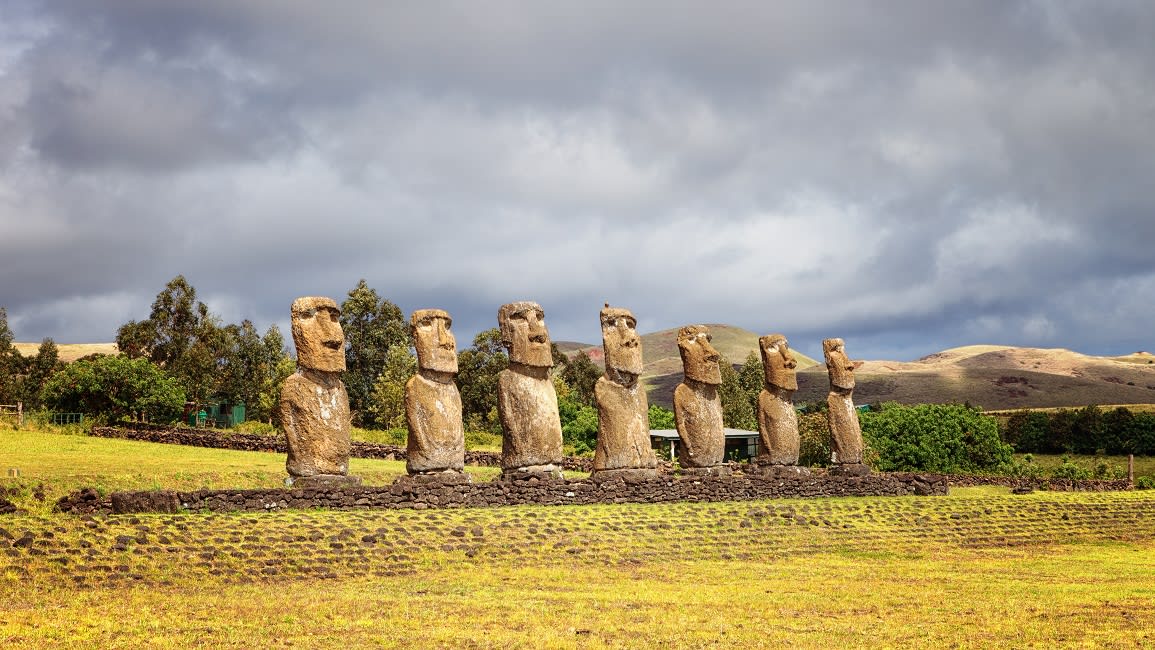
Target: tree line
1087,430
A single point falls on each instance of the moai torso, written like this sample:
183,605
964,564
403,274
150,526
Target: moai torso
315,417
698,416
623,427
436,435
530,422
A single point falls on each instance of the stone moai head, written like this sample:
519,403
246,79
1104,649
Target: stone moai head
838,365
316,324
777,362
620,341
436,345
523,333
699,358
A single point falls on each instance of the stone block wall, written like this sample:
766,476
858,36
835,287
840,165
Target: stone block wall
421,494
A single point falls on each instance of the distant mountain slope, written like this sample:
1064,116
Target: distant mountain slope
988,376
68,352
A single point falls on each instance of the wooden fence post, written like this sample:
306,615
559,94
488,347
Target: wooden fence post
20,413
1131,469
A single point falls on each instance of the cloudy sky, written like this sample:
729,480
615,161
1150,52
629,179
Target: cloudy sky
910,176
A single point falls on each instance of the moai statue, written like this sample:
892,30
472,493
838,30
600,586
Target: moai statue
432,401
314,406
623,447
777,419
526,400
845,432
697,408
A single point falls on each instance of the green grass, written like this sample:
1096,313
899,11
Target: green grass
1144,465
978,568
63,463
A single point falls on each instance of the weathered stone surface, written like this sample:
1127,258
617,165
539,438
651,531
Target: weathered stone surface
845,432
323,481
777,419
436,439
627,475
314,407
849,469
697,408
316,326
526,400
157,501
623,413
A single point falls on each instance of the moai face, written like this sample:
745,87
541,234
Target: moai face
316,324
838,366
523,333
699,358
777,362
620,341
436,345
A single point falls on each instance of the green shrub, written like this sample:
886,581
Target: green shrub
482,440
1070,469
1145,482
948,438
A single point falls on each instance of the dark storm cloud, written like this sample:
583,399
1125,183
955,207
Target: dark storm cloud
907,175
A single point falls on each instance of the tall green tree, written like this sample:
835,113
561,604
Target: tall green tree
116,387
477,371
752,378
581,375
9,362
737,412
279,365
181,337
372,325
387,402
37,371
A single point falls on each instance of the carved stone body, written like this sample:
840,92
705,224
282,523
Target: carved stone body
623,427
845,432
436,440
531,426
314,412
697,407
777,419
623,413
314,407
698,417
526,400
777,428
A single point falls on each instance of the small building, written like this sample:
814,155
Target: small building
740,444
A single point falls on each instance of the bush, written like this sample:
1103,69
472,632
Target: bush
947,438
1069,469
814,439
1145,483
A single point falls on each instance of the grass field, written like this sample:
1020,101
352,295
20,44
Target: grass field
979,568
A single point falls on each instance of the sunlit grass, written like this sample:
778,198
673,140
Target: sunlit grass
978,568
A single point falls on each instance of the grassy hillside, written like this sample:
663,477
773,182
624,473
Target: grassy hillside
68,351
988,376
979,568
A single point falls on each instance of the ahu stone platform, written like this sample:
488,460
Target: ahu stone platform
458,492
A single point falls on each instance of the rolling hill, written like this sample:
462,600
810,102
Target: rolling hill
68,352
